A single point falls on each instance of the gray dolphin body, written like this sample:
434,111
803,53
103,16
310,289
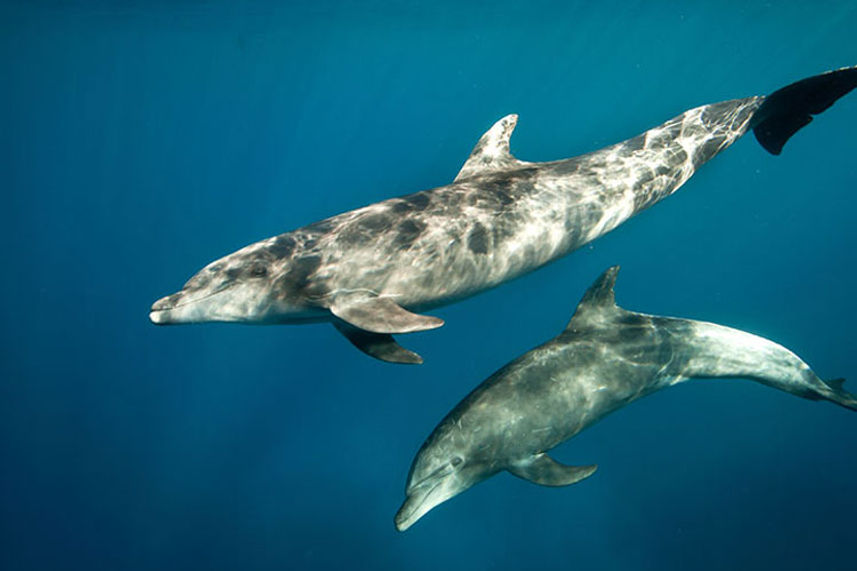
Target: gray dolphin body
606,358
369,270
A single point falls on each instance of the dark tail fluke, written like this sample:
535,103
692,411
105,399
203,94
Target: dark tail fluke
787,110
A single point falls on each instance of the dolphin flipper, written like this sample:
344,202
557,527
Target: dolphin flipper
543,470
380,315
379,345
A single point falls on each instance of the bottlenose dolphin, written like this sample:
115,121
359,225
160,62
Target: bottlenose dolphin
372,270
605,358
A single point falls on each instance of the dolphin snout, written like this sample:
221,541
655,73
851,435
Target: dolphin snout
168,302
159,317
407,516
160,312
421,498
192,306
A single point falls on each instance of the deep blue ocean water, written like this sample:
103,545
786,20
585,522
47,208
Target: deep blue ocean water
141,140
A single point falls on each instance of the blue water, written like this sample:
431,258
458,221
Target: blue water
141,140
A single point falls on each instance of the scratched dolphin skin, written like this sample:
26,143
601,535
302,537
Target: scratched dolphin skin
606,358
371,271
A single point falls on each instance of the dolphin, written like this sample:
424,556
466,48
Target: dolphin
374,270
606,358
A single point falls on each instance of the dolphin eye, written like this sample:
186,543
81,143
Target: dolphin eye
258,271
214,269
456,461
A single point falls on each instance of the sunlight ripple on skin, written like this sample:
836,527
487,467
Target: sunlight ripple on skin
606,358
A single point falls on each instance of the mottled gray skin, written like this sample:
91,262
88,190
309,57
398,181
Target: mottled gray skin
499,219
606,358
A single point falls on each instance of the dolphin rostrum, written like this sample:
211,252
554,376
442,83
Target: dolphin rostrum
371,271
605,358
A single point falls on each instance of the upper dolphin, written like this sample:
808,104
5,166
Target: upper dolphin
606,358
371,270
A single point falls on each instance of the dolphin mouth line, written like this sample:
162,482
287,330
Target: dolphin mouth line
190,301
435,474
409,517
423,484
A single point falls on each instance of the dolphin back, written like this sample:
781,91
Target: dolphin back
698,349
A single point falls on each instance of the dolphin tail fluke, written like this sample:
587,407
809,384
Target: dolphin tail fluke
791,108
839,395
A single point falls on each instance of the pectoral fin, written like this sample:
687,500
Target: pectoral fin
379,345
543,470
380,315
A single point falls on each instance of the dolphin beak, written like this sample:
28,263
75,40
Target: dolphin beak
189,306
160,314
160,317
420,501
408,514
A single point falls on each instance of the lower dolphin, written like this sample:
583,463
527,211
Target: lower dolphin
605,358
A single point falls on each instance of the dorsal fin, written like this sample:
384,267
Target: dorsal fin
837,384
599,298
491,153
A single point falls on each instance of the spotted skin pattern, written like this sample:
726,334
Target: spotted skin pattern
432,247
499,219
606,358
